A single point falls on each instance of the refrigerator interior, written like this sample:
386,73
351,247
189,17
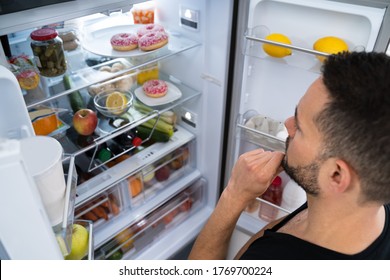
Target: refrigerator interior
135,213
267,89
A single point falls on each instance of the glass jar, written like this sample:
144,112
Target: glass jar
48,52
274,195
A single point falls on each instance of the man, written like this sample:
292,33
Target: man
338,151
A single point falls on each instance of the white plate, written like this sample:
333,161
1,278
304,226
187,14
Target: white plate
173,94
98,41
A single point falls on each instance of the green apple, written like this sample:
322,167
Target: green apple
61,243
79,246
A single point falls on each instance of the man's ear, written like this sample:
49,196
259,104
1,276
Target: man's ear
340,175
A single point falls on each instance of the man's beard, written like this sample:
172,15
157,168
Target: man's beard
305,176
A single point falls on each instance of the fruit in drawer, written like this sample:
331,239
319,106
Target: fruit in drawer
85,121
162,173
168,218
116,256
148,174
114,205
135,186
277,51
100,212
186,205
331,45
125,238
180,160
79,248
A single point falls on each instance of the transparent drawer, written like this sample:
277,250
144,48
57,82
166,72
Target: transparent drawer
157,176
103,208
139,236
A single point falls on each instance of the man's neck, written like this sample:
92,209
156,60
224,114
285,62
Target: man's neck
330,226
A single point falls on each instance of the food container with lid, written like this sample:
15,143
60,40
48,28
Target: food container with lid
143,13
48,52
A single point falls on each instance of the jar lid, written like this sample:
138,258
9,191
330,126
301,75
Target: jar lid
44,34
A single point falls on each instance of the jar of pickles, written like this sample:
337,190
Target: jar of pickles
48,52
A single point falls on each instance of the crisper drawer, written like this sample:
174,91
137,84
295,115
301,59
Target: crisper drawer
104,207
159,175
143,233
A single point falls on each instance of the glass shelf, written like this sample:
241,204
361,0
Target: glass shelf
177,44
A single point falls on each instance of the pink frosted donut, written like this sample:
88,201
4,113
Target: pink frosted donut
152,27
124,42
152,41
155,88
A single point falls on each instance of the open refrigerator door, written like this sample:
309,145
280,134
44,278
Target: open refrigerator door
270,78
145,199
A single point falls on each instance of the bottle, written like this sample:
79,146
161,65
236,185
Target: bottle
48,52
274,195
129,139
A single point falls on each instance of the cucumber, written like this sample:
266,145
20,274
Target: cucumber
158,136
75,98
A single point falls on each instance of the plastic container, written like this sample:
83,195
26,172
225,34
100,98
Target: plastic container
48,52
274,195
43,157
102,208
143,13
148,73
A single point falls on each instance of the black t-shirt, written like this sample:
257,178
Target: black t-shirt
274,245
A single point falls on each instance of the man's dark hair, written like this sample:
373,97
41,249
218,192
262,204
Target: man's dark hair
356,121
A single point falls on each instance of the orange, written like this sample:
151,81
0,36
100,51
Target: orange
28,79
135,186
46,125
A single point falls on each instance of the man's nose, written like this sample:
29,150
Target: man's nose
290,125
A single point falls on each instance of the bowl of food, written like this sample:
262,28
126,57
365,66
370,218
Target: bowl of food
113,103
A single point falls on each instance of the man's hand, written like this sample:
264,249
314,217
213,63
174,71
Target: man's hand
252,174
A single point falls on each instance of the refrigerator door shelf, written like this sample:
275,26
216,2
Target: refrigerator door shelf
319,19
63,231
256,130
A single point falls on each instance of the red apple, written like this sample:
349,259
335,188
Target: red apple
85,121
163,173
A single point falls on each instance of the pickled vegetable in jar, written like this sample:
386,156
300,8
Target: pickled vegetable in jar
48,52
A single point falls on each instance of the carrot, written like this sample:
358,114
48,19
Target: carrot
99,211
90,216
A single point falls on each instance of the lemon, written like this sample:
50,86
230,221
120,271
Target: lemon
331,45
276,51
116,102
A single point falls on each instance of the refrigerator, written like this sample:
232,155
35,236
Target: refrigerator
231,97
